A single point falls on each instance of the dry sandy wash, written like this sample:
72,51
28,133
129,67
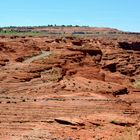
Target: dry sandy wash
69,88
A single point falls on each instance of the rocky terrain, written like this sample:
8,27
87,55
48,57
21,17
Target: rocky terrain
70,88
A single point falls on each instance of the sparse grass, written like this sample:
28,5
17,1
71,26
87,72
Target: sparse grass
129,134
16,33
137,84
54,74
114,122
3,91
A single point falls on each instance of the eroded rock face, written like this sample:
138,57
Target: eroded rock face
83,83
134,46
124,61
73,56
87,50
89,58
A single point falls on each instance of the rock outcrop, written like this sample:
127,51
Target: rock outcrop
69,87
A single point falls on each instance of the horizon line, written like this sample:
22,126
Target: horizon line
66,26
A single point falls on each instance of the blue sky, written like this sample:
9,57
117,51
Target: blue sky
121,14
